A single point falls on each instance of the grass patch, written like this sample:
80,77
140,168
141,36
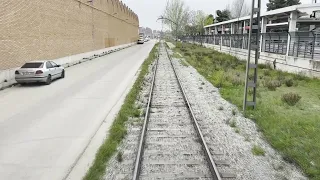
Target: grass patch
257,151
292,130
118,130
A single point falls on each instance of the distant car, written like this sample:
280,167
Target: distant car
141,40
39,71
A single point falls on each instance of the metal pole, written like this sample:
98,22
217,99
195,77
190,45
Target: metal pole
248,59
257,56
252,46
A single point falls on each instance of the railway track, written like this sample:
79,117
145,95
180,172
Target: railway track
171,145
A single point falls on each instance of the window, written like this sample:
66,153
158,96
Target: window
33,65
53,64
49,65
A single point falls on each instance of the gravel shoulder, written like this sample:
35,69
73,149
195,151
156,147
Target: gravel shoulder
228,131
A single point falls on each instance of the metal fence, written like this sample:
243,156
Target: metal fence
301,44
275,42
305,45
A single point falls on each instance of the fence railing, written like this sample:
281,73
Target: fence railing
301,44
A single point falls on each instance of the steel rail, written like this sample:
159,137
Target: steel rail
212,166
137,167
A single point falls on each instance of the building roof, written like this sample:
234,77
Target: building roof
302,9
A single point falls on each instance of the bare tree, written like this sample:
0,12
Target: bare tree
178,12
196,21
239,8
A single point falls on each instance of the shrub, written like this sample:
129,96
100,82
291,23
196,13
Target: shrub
291,98
272,85
257,151
288,82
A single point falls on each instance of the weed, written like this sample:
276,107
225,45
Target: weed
119,157
220,108
288,82
136,112
202,83
234,112
233,124
247,138
291,98
257,151
237,130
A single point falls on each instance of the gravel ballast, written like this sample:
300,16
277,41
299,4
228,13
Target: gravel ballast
230,135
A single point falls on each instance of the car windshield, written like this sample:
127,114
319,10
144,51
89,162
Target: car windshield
33,65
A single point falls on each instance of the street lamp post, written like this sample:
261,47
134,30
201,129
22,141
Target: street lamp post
164,18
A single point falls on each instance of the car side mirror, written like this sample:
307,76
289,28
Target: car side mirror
58,65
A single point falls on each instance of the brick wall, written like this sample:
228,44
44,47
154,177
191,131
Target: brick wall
50,29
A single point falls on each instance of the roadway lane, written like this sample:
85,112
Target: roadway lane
44,128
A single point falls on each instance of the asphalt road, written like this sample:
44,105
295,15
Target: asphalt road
43,129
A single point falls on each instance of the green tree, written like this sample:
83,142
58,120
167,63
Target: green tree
209,20
276,4
223,15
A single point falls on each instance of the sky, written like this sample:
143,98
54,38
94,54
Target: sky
149,10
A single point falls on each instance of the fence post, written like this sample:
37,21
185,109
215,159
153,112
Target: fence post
313,45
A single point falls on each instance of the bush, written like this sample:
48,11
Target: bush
288,82
291,98
272,85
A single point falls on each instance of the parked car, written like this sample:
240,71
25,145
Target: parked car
141,40
39,71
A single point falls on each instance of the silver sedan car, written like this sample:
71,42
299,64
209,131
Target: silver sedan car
39,71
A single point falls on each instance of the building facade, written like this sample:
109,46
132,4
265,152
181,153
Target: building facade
51,29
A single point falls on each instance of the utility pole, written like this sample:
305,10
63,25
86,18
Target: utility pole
253,46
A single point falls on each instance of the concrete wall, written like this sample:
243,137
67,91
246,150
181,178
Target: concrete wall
291,64
52,29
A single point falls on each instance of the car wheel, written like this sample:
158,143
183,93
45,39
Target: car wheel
23,84
49,80
62,74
